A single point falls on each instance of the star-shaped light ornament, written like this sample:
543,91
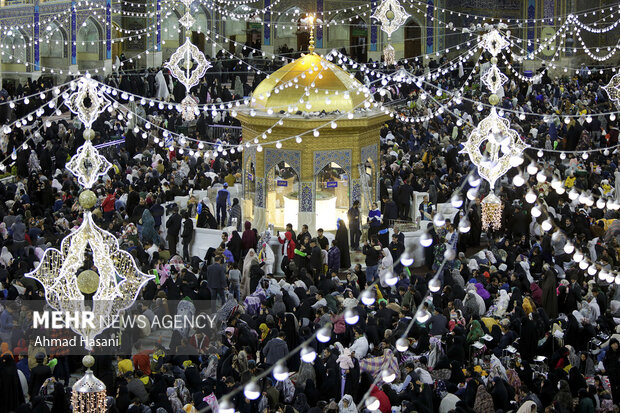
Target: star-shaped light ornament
181,64
87,102
113,287
500,144
613,90
494,79
494,42
391,15
189,107
87,165
187,20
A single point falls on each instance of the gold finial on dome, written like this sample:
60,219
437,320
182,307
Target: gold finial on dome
311,24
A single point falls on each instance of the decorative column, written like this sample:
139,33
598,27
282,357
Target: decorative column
37,28
430,26
373,29
73,67
319,29
531,24
107,64
157,53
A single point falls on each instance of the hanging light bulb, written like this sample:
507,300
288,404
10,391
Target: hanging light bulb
308,354
449,254
555,183
464,225
536,212
402,344
578,256
439,220
252,390
472,193
367,297
280,372
390,279
225,406
518,180
583,264
532,168
562,156
324,335
351,317
541,177
456,201
547,224
540,153
422,316
434,284
600,203
406,259
603,273
569,247
592,270
426,240
372,403
530,197
573,194
474,180
387,375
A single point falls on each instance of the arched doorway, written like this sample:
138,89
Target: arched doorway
89,47
282,196
413,39
249,190
332,196
358,37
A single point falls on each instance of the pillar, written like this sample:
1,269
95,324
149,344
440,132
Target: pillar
430,26
531,25
373,29
73,64
107,64
36,31
319,29
157,54
267,23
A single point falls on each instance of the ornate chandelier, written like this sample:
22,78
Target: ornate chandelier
181,66
493,146
89,262
613,90
392,16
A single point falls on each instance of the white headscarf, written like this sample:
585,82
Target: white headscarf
351,408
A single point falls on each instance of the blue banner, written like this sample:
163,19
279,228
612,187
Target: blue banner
332,184
282,183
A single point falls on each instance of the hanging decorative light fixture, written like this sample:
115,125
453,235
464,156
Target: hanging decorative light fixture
392,16
491,212
89,393
116,283
613,90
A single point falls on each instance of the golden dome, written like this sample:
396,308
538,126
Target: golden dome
286,88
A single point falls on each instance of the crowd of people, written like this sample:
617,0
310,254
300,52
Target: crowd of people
515,325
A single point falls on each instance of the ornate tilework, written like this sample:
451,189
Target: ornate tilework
342,158
307,198
370,152
275,156
260,192
356,191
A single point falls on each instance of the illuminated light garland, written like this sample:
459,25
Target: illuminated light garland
491,207
613,90
87,102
